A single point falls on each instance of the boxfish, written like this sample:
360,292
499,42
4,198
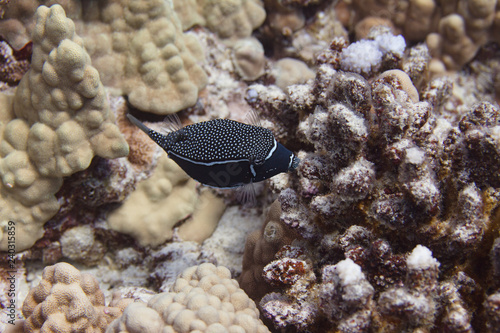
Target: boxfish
224,153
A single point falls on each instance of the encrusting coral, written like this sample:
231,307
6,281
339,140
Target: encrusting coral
58,121
204,298
68,301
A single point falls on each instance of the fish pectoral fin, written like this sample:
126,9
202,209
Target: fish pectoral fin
246,194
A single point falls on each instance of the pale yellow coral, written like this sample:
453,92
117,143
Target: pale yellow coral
288,71
227,18
68,301
27,198
57,121
203,299
63,100
419,19
248,58
150,58
150,213
188,13
456,46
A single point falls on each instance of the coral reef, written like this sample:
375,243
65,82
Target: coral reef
203,298
248,58
57,121
390,223
138,48
151,60
288,71
14,64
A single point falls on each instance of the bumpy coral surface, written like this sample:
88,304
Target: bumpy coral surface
60,119
454,30
228,18
386,167
138,47
68,301
169,196
14,64
203,299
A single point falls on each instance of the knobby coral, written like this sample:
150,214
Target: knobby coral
203,299
391,162
229,19
57,121
138,47
453,30
68,301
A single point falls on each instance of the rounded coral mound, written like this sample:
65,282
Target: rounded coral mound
204,298
67,301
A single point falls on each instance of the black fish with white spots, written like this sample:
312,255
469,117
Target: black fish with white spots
224,153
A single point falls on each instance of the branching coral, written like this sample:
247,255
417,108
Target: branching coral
138,47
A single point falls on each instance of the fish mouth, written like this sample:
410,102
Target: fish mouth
295,163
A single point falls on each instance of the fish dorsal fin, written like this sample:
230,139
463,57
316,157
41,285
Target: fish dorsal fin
171,123
253,118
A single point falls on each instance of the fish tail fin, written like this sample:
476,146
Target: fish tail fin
161,139
137,123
